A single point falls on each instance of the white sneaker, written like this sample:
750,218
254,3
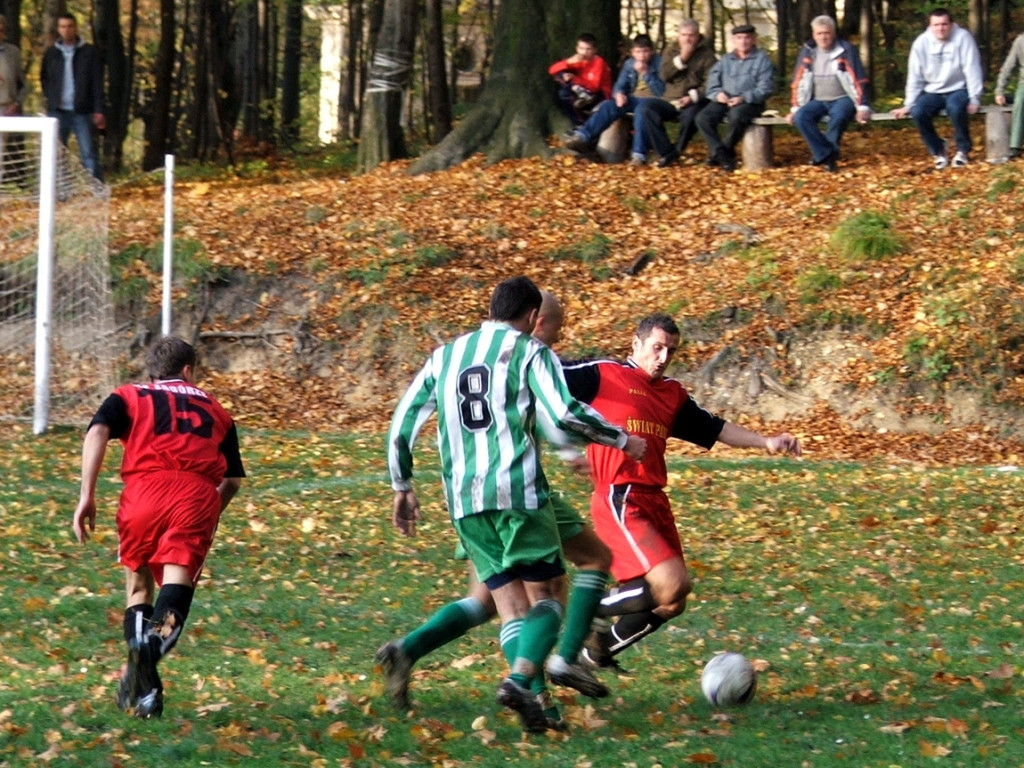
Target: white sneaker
959,159
941,162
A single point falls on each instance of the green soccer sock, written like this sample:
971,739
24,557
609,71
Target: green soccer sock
508,637
584,599
450,622
536,639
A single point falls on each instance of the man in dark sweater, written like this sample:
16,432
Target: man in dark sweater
72,79
684,69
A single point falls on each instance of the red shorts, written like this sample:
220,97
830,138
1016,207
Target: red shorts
167,518
637,525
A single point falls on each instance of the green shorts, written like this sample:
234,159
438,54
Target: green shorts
512,543
566,517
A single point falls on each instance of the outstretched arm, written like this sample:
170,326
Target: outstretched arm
741,437
94,448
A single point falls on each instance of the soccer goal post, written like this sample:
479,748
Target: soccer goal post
56,313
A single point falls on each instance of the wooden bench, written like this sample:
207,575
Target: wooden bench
758,151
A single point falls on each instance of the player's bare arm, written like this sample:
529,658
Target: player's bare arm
406,513
741,437
94,448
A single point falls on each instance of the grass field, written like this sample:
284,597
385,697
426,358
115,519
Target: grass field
883,604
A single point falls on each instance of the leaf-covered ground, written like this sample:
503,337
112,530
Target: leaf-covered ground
342,285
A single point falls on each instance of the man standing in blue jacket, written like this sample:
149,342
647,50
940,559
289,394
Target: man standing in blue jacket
738,87
944,72
639,79
72,79
829,81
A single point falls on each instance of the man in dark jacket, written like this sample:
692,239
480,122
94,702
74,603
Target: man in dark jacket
684,69
829,81
72,79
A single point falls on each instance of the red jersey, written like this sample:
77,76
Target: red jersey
594,75
655,410
172,425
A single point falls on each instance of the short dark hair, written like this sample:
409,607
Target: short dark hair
68,17
167,358
587,38
657,320
514,298
940,12
642,41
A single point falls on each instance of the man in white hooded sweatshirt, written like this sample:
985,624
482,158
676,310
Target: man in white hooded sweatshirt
944,72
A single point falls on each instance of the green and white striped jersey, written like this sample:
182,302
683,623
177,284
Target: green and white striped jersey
489,387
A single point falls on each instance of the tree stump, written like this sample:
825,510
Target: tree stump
997,135
613,145
757,147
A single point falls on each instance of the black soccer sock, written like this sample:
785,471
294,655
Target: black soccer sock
169,614
136,621
633,596
632,628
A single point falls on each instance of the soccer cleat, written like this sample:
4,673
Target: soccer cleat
575,676
525,704
140,692
554,717
959,159
397,669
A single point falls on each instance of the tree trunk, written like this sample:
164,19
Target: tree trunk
381,138
439,98
107,36
516,109
290,72
158,124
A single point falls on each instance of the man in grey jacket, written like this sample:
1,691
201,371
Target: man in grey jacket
1014,60
829,81
738,87
944,72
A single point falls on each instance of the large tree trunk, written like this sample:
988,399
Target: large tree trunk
107,36
290,72
159,115
440,100
380,137
516,110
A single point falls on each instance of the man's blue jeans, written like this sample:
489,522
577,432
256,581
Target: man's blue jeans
928,105
607,113
823,145
69,122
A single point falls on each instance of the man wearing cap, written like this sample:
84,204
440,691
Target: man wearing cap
738,87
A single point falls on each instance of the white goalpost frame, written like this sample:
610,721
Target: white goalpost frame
47,129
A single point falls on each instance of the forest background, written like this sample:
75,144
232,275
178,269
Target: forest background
208,79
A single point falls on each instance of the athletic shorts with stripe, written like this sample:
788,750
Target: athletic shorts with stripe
636,523
569,522
167,518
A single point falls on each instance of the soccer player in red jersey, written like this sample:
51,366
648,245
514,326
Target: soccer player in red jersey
629,507
181,466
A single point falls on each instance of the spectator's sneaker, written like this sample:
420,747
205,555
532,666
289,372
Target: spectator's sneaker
143,681
525,704
576,142
397,669
941,162
575,676
960,160
714,161
637,161
829,163
669,159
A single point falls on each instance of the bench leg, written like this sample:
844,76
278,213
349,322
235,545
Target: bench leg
997,136
757,148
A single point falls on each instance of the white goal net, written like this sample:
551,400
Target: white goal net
57,337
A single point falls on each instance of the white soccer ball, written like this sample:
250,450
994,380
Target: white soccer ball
728,680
